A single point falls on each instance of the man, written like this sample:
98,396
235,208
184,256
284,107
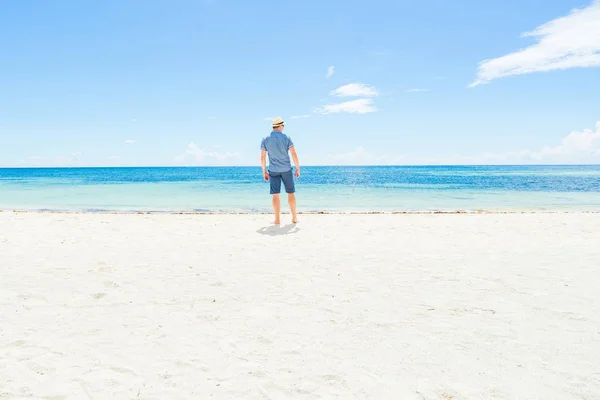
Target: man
277,145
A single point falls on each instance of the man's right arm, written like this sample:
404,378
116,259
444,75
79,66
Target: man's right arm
263,159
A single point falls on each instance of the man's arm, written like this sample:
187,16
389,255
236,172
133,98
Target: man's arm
263,163
263,160
296,162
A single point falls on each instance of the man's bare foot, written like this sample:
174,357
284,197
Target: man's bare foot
295,221
277,223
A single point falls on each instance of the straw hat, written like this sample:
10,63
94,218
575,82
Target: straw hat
277,122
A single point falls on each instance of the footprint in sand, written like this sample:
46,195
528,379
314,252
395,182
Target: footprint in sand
38,369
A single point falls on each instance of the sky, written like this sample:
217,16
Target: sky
197,82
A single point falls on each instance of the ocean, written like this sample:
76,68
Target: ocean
319,189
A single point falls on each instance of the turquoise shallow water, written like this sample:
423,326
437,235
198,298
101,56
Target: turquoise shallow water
361,189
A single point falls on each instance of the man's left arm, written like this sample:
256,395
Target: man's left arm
263,163
296,162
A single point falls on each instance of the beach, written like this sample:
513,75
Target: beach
351,306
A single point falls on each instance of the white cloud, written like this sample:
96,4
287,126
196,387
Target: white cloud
300,116
417,90
330,71
360,106
129,141
575,148
195,155
566,42
355,90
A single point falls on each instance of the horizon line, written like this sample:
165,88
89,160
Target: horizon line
304,166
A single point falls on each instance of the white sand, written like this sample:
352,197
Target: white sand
343,306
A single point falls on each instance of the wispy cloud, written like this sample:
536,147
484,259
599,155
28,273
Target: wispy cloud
417,90
75,159
360,106
575,148
34,159
330,71
195,155
355,90
300,116
566,42
129,141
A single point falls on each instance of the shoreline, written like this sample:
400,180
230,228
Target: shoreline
423,212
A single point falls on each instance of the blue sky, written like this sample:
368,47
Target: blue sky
194,82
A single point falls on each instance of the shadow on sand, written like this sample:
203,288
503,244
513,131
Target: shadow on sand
275,230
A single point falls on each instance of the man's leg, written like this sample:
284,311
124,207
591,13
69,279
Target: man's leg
290,188
277,208
275,180
292,203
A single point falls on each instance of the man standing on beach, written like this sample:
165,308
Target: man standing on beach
276,146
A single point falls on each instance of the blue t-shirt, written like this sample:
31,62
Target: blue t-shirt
277,145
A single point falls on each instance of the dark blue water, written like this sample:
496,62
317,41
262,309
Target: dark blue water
522,178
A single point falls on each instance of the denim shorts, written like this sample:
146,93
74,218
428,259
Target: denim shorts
288,181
